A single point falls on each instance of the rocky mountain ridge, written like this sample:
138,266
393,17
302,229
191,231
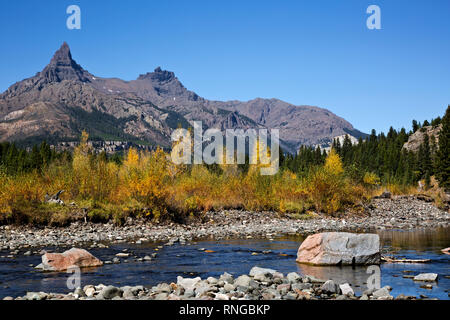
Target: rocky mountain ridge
63,99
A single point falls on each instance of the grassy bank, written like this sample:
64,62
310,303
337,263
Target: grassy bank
148,184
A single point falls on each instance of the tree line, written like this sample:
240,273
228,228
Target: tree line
381,154
384,155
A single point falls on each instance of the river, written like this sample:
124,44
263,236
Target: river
238,256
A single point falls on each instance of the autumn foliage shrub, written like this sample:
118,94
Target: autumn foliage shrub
149,184
330,189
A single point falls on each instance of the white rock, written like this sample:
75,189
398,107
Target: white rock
122,255
221,296
228,287
263,271
257,270
426,277
346,289
293,277
188,283
243,280
212,280
381,293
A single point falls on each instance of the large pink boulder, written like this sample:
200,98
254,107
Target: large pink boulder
70,258
340,248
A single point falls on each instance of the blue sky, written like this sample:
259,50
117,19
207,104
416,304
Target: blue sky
304,52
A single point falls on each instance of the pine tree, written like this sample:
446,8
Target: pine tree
35,158
347,150
436,122
415,126
426,157
46,153
443,156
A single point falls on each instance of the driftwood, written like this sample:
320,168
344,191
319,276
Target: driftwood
393,260
55,198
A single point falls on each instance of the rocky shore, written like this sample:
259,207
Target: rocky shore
259,284
398,213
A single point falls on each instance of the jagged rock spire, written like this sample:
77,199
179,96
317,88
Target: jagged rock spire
158,75
62,56
63,67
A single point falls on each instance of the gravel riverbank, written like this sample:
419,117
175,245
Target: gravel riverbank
398,213
260,284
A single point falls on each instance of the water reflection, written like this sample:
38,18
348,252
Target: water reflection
238,256
355,276
419,240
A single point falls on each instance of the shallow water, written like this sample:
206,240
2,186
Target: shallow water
238,256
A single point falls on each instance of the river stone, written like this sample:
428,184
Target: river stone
293,277
301,286
221,296
243,281
426,277
370,291
346,289
161,296
381,293
173,296
340,248
79,293
188,283
312,279
291,296
128,294
264,271
110,292
202,289
36,296
330,287
123,255
242,289
263,277
226,277
70,258
189,293
228,287
283,288
163,287
212,280
90,291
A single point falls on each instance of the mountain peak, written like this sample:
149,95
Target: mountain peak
63,67
158,75
62,56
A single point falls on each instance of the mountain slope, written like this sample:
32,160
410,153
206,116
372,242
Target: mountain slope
63,99
298,124
59,102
